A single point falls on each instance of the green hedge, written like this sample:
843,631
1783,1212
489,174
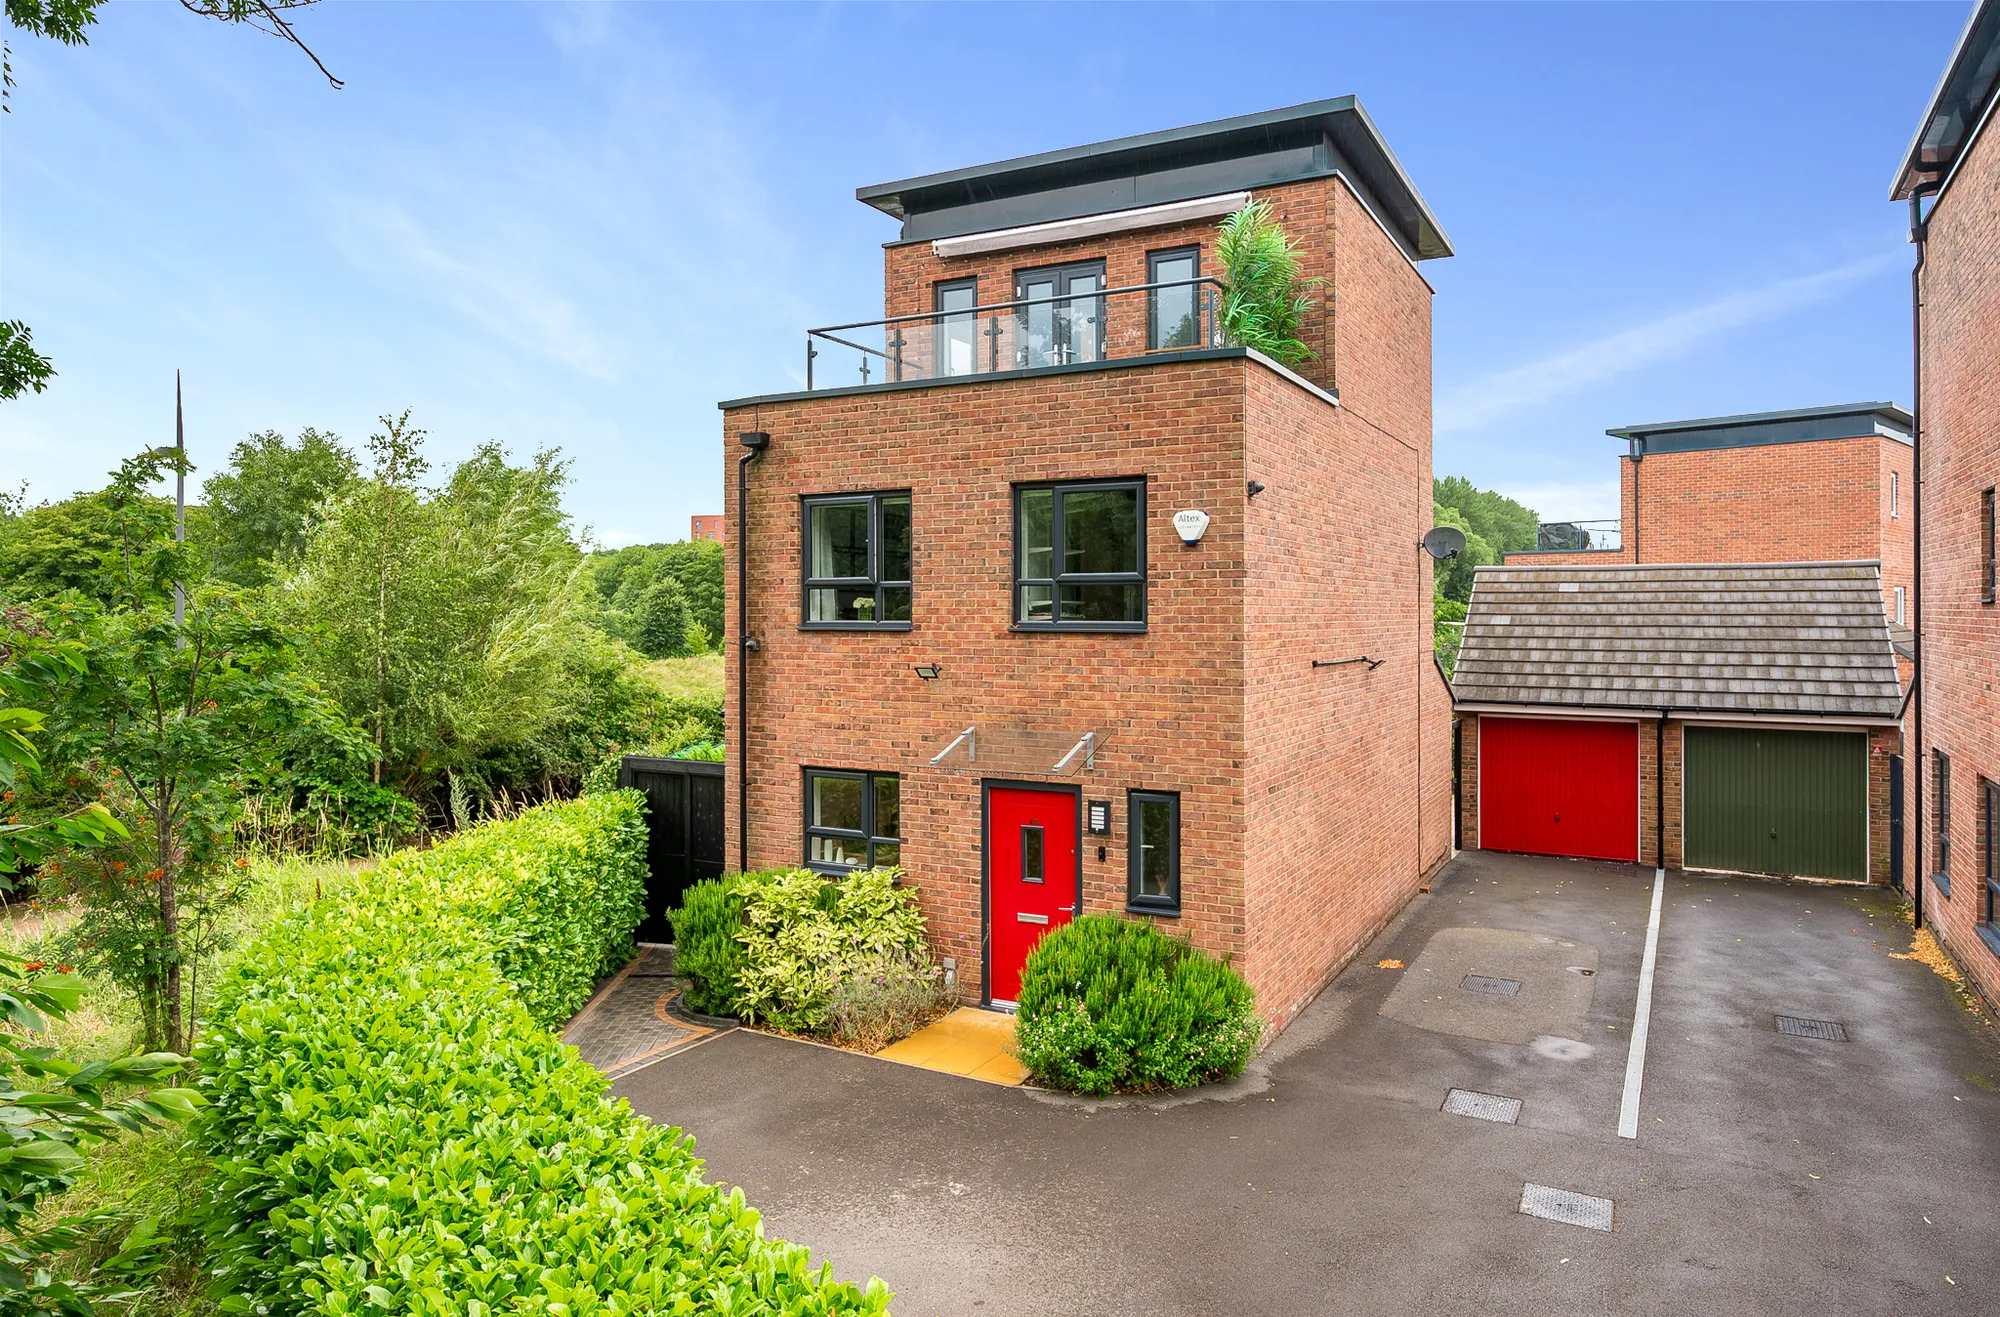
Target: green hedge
395,1131
1112,1005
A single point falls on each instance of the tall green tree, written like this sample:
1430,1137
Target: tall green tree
264,504
1493,524
165,721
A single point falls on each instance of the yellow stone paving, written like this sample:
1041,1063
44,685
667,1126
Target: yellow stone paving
972,1042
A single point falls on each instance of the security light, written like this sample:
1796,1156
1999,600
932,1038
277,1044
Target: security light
929,671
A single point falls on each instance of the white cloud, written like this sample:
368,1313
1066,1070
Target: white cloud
1500,393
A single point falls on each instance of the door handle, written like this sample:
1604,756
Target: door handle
1027,918
1066,909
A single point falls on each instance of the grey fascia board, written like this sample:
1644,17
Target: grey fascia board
1760,429
1675,712
1903,184
1427,239
1889,409
1330,396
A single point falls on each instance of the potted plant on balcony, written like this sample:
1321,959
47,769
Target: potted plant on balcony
1265,301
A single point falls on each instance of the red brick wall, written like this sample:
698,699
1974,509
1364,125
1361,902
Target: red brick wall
1882,743
1961,422
1171,700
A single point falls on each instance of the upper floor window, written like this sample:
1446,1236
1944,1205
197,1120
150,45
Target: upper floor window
1173,315
1080,556
1899,606
1062,322
1986,547
1895,495
857,561
957,346
854,820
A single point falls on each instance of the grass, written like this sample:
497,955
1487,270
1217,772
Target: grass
697,677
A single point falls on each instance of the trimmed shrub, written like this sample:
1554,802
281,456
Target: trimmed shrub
394,1130
1112,1005
555,893
706,952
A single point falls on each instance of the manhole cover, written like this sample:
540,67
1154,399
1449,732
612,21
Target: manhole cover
1492,987
1482,1106
1828,1030
1566,1206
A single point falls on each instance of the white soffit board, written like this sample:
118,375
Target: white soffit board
1090,226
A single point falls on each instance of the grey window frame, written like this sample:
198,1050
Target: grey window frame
867,835
1153,260
1988,921
1989,549
1941,820
938,291
1061,274
808,582
1060,489
1135,901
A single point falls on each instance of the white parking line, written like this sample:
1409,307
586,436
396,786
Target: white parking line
1635,1063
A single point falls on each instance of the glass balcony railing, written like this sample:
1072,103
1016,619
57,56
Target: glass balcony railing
1035,333
1577,536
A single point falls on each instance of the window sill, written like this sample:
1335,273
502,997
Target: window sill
854,626
1942,881
1160,911
1990,936
1087,628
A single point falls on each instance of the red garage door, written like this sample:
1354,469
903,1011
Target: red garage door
1554,787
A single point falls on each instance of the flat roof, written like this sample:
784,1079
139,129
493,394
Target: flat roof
1963,100
1753,429
1251,150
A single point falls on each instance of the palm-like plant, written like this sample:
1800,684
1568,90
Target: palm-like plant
1265,301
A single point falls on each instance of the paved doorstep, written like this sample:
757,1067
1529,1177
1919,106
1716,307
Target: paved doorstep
975,1043
1772,1174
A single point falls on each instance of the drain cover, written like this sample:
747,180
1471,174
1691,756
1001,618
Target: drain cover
1490,986
1566,1206
1829,1030
1482,1106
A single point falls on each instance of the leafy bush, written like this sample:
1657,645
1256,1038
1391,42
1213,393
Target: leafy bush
1112,1005
395,1132
554,893
1265,303
785,945
873,1010
704,751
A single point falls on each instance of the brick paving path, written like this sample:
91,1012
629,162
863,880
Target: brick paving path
636,1018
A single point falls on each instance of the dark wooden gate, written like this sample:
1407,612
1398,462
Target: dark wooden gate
684,825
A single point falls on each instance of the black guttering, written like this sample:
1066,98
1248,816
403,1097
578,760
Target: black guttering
1328,396
1177,164
1963,103
1756,429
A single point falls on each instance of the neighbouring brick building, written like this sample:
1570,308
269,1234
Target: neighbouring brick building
1066,603
1767,693
1951,179
706,526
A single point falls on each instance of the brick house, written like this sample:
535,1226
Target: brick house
705,526
1951,179
1733,717
1045,590
1818,484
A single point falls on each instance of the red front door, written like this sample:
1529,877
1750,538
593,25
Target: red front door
1032,877
1556,786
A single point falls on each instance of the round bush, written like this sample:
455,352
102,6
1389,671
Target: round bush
1111,1005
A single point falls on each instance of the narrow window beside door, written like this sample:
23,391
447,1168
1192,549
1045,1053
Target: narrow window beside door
1941,816
857,561
1153,880
1173,313
957,345
854,820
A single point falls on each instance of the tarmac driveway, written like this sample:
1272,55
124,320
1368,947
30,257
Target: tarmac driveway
1770,1173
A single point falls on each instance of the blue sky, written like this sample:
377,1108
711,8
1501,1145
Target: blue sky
582,225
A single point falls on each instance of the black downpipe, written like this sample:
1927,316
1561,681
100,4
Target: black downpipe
1922,760
756,441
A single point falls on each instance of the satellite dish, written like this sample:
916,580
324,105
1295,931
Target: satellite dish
1444,542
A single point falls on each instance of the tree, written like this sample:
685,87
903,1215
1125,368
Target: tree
696,565
21,367
165,721
662,630
264,504
1494,525
621,579
1265,301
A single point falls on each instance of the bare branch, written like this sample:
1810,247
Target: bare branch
262,15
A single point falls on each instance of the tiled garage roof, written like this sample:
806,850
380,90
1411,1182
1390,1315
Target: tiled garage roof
1761,638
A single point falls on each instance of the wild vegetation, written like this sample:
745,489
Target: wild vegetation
1494,525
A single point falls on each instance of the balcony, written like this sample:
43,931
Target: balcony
1579,537
1034,333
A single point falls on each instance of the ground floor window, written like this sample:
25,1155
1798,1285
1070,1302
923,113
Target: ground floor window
854,819
1153,882
1941,816
1989,845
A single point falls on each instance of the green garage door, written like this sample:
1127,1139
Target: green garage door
1765,801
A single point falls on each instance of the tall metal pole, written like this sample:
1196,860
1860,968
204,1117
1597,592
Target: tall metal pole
180,507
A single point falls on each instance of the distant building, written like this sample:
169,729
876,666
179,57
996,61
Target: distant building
706,528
